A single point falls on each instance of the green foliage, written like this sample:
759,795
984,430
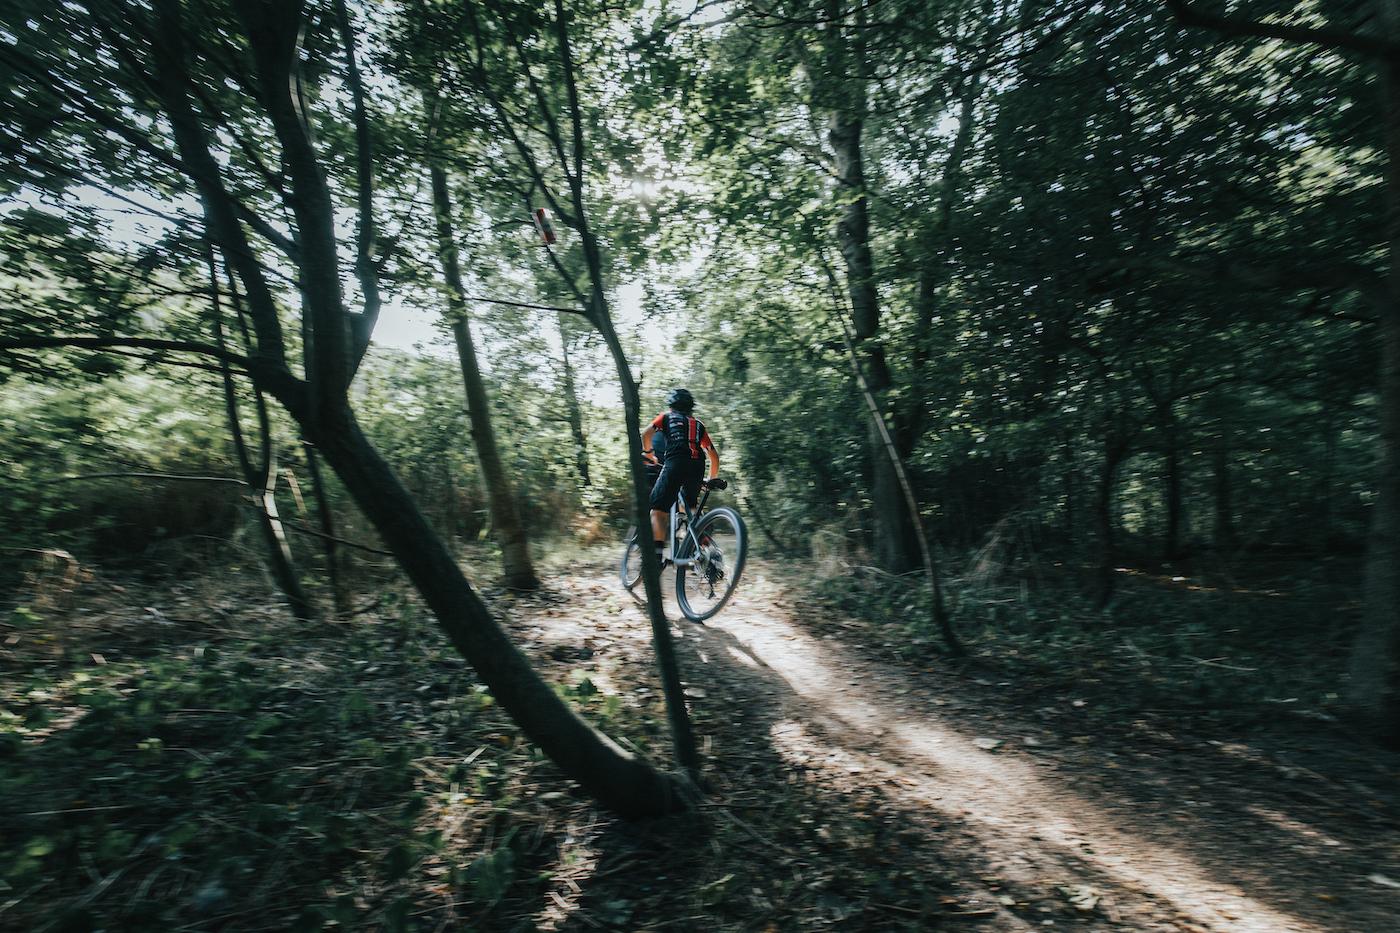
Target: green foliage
306,777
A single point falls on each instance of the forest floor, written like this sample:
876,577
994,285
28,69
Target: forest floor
182,758
1029,807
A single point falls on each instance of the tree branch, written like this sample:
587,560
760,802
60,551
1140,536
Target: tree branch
143,343
1240,26
366,266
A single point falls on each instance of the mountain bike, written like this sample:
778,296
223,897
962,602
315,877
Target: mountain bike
708,554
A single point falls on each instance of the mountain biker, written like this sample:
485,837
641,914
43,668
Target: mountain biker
682,465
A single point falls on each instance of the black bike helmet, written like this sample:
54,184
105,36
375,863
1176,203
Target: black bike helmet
680,400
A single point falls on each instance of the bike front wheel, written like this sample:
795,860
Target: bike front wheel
715,550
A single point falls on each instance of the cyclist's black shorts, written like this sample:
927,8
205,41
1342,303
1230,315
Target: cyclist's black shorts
678,475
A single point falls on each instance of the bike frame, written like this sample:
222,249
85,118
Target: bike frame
676,508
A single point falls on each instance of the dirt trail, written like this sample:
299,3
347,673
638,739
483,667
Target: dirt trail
1140,830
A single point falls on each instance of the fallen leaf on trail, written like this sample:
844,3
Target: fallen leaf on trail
1383,881
1083,898
985,743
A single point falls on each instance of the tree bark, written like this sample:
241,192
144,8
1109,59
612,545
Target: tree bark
518,569
573,408
619,780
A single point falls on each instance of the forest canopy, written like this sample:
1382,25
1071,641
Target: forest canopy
1012,321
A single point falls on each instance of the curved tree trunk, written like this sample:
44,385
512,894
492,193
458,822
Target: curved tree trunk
620,781
939,610
261,477
516,565
262,495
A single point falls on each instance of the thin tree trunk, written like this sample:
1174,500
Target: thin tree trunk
1225,535
619,780
1322,535
1114,452
911,502
262,496
682,734
1070,471
1174,504
895,539
516,565
572,407
262,476
1374,688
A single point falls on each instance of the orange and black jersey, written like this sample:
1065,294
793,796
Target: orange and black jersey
686,437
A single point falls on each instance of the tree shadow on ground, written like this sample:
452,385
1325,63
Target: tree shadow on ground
1204,834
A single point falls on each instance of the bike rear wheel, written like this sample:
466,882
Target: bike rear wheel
631,567
718,544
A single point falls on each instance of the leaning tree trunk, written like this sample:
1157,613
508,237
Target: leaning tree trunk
910,502
516,565
1374,688
619,780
